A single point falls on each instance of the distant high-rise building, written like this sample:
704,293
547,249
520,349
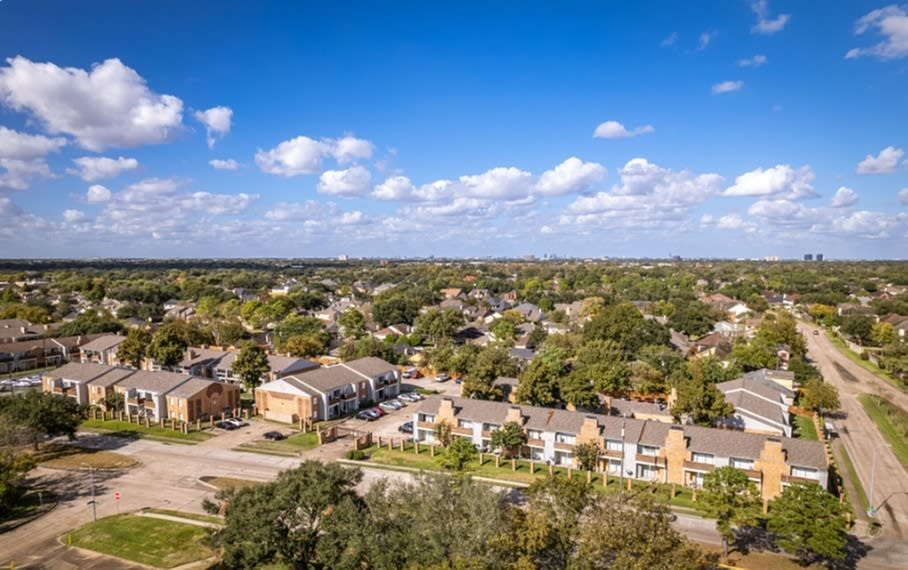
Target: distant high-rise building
808,257
819,257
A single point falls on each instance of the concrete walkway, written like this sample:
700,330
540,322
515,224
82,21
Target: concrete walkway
173,518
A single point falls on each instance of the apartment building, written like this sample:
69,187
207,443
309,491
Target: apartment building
156,395
761,404
103,350
329,392
639,449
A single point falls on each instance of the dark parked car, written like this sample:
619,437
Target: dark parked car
226,425
274,436
406,427
368,415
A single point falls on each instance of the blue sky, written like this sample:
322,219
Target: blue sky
730,128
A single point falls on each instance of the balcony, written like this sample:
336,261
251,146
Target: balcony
462,431
654,460
532,442
149,404
791,479
333,400
425,425
62,390
564,446
701,467
612,453
135,401
350,396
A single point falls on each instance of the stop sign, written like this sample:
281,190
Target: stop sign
117,495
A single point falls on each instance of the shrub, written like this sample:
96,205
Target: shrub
356,455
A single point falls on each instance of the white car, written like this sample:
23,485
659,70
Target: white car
388,406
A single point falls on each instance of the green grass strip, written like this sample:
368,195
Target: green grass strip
892,422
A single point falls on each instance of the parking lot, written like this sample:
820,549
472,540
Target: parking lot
388,425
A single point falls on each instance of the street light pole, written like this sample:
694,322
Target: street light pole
91,475
623,423
871,510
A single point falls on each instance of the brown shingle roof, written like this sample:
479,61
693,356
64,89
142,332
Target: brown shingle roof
79,372
106,342
370,366
158,382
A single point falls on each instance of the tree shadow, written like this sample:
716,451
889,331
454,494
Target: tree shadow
749,538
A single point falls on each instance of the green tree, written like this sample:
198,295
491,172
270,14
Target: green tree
295,325
442,433
624,325
603,365
577,390
539,383
134,348
699,398
114,401
90,322
281,521
731,498
251,364
587,455
167,346
817,395
508,438
694,318
439,324
14,465
353,323
42,413
883,334
624,532
809,523
491,362
303,346
458,454
858,327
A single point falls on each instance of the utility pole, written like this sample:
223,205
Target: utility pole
623,423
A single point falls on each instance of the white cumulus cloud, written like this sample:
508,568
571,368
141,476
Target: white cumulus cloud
781,181
892,23
97,194
303,155
23,146
755,61
903,196
615,130
354,181
73,215
497,183
765,23
219,164
726,87
572,175
217,122
884,163
93,168
844,197
18,174
107,106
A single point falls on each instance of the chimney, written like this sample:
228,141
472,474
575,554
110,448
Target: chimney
606,405
589,431
514,415
446,409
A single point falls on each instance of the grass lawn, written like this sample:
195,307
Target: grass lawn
865,364
892,422
424,461
71,457
290,446
227,482
754,560
155,542
853,476
125,429
425,391
185,515
806,428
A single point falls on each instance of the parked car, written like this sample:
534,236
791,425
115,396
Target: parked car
410,397
369,415
406,427
378,411
411,373
388,406
237,422
442,377
274,436
229,426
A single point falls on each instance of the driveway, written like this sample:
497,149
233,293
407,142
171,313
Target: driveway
860,436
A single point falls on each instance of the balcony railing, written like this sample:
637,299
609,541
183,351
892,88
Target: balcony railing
651,460
696,466
425,425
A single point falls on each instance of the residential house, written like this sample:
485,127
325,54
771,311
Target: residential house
30,354
451,293
712,344
72,380
102,350
401,329
899,324
530,312
18,330
328,392
761,405
218,364
639,449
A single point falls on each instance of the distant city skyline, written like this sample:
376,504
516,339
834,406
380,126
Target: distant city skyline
708,129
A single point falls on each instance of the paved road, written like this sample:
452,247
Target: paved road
859,434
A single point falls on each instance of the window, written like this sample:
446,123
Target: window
565,438
534,434
647,450
804,472
647,472
702,458
613,445
428,418
490,427
466,424
614,466
741,463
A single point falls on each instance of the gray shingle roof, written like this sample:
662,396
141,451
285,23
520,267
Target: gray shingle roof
192,387
158,382
371,366
742,401
113,376
106,342
328,379
79,372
